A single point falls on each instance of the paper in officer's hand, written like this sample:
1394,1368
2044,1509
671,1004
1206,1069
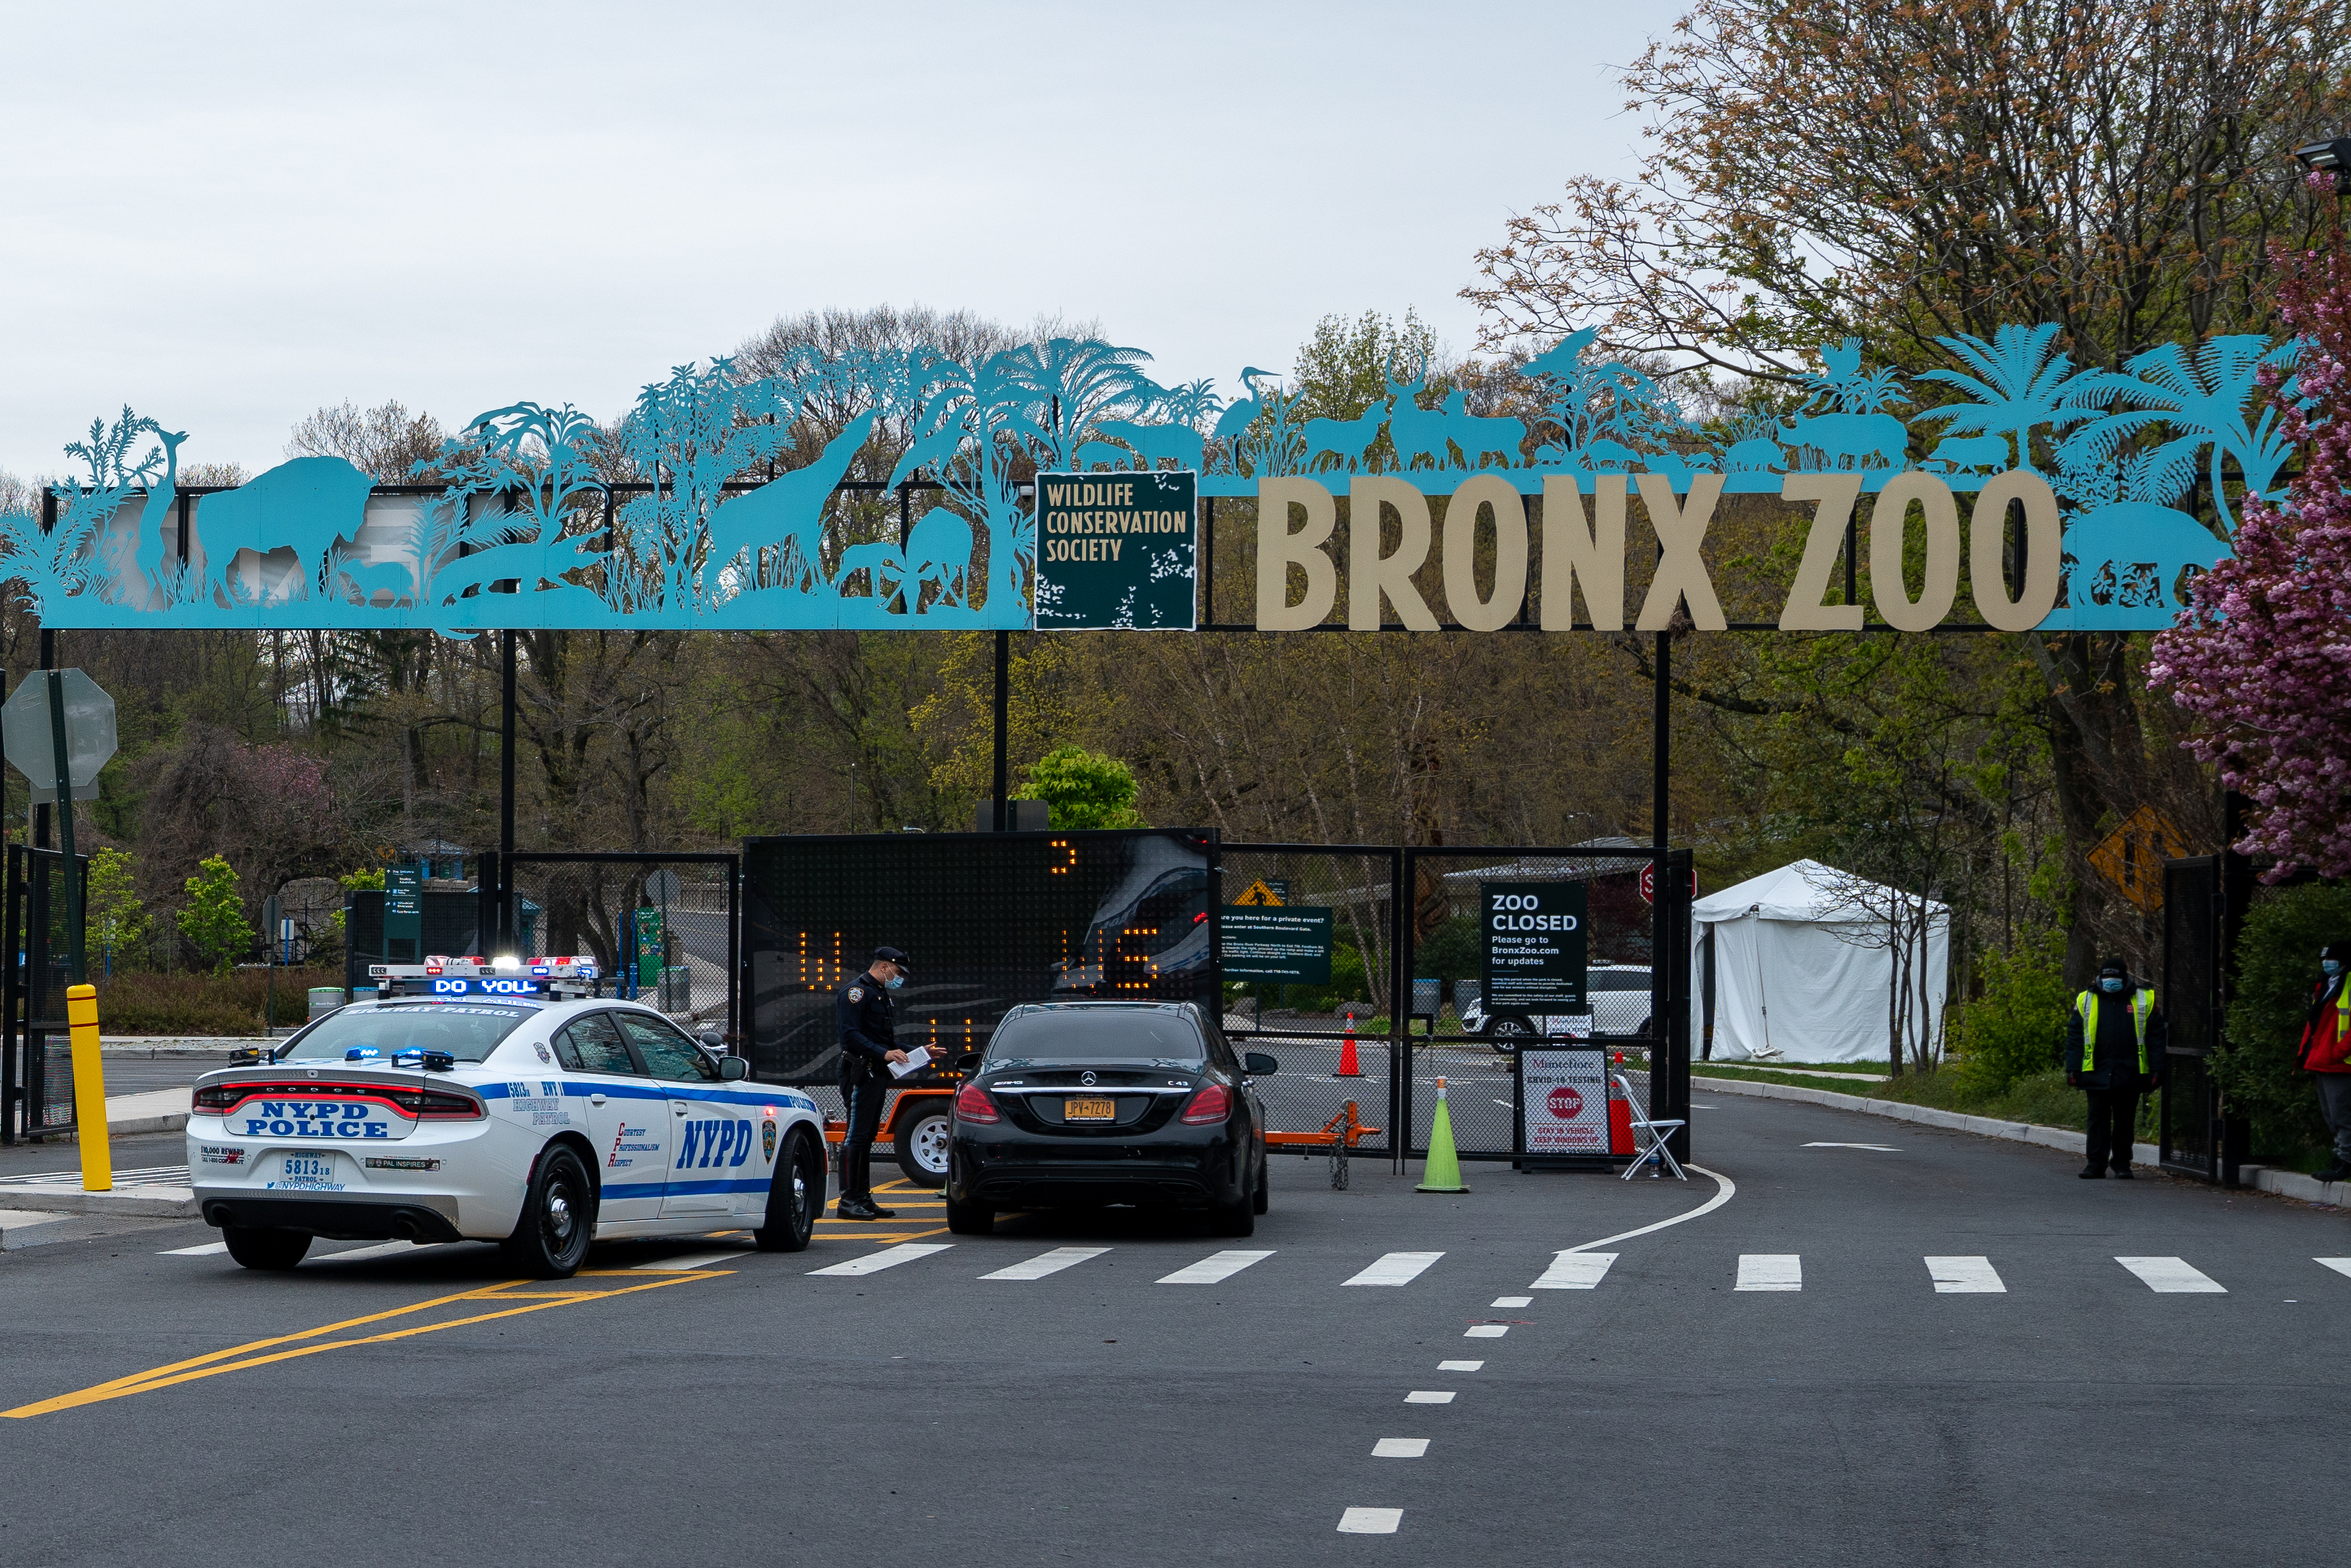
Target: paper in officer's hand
917,1060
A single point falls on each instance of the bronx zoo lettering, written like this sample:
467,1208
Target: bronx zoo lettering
1585,545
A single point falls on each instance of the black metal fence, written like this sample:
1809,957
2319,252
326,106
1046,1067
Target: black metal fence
37,1085
664,927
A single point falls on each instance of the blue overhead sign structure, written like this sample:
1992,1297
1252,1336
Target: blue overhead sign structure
765,502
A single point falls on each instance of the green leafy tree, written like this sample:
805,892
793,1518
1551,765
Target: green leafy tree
367,878
2017,1027
213,921
1083,789
2277,962
118,919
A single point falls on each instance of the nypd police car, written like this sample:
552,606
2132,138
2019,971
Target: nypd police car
496,1100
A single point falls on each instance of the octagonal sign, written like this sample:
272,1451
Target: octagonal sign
31,748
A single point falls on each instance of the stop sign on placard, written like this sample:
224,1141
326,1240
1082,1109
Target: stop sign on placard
30,744
1564,1103
1649,883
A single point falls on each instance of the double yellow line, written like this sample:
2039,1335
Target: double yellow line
263,1352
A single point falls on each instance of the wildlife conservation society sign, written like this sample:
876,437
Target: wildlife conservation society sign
1117,551
1533,946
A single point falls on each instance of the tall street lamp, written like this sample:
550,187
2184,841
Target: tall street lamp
2335,157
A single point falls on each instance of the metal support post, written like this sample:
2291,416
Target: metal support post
1003,716
1663,1069
48,661
1399,1039
506,938
75,958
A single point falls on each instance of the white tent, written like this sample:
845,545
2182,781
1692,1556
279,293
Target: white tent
1804,965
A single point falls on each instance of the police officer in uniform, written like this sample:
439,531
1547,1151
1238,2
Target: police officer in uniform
2114,1049
869,1043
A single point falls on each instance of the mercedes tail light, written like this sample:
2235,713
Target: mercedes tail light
1212,1103
972,1104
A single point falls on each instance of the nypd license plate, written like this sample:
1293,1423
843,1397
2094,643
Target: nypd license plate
309,1173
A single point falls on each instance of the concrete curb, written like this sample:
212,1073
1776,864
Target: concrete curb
2284,1183
144,1202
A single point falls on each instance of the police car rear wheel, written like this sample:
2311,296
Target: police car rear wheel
795,1197
260,1249
550,1241
923,1145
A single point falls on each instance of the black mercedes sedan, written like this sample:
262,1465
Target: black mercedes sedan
1088,1103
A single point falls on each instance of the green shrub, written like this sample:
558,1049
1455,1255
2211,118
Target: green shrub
2277,962
148,1002
1083,789
214,921
2017,1027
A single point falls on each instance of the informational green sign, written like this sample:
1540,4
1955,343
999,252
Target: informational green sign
1117,550
403,914
1535,939
1289,942
649,947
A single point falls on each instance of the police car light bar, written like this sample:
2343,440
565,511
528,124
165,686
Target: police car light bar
433,967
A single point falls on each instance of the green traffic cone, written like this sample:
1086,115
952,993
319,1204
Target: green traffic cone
1443,1171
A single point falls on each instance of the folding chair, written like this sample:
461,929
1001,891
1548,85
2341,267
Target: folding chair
1648,1136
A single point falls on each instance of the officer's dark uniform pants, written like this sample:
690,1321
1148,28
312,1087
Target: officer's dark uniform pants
2114,1127
864,1095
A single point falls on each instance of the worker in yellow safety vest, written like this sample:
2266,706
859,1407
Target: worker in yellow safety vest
2114,1049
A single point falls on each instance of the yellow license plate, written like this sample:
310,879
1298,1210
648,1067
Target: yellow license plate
1090,1110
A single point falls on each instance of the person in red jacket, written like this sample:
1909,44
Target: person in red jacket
2326,1052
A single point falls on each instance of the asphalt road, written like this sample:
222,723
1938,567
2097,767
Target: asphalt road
747,1411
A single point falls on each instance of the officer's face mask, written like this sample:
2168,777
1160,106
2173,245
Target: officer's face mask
894,981
2331,966
2110,983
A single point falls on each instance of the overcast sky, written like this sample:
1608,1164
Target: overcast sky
227,215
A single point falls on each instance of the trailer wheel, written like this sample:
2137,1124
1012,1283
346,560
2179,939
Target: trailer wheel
922,1142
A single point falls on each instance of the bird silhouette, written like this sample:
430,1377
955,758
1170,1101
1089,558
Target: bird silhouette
1242,412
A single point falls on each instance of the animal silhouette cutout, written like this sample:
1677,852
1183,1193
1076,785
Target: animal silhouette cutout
308,506
2129,535
1675,466
938,550
1414,432
1964,454
872,559
1605,456
159,520
1858,437
788,510
1479,435
369,578
1755,456
1345,440
1242,412
1178,441
526,563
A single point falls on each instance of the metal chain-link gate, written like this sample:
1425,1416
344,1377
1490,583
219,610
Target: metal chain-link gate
37,1085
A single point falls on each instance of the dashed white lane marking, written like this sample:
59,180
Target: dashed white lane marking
1575,1271
1879,1148
1215,1267
1429,1397
1370,1520
2174,1277
206,1250
689,1262
1514,1301
887,1258
2340,1265
1771,1272
1395,1269
1044,1264
1459,1365
1965,1277
1486,1331
1400,1449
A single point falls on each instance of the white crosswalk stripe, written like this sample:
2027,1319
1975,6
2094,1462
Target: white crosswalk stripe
2340,1265
887,1258
690,1262
1771,1272
207,1250
1395,1269
2174,1277
1217,1267
360,1254
1429,1397
1400,1449
1370,1520
1459,1365
1486,1331
1575,1271
1965,1277
1045,1263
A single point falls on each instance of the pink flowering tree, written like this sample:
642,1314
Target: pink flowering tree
2261,655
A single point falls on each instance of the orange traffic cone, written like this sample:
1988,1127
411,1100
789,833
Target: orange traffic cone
1348,1067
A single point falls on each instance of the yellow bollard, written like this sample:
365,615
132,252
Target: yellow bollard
89,1090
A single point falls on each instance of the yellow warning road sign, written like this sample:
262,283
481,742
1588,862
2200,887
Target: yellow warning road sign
2132,856
1257,893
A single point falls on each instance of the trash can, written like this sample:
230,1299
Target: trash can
676,988
324,999
1426,997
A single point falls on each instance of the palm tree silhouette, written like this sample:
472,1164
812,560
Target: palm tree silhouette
2199,399
2021,383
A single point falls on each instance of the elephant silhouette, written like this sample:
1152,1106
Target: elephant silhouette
872,559
1959,455
1755,456
2127,535
937,549
1153,442
1856,436
308,506
1477,435
788,510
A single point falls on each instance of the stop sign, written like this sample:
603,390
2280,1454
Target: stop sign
1649,883
29,743
1564,1102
